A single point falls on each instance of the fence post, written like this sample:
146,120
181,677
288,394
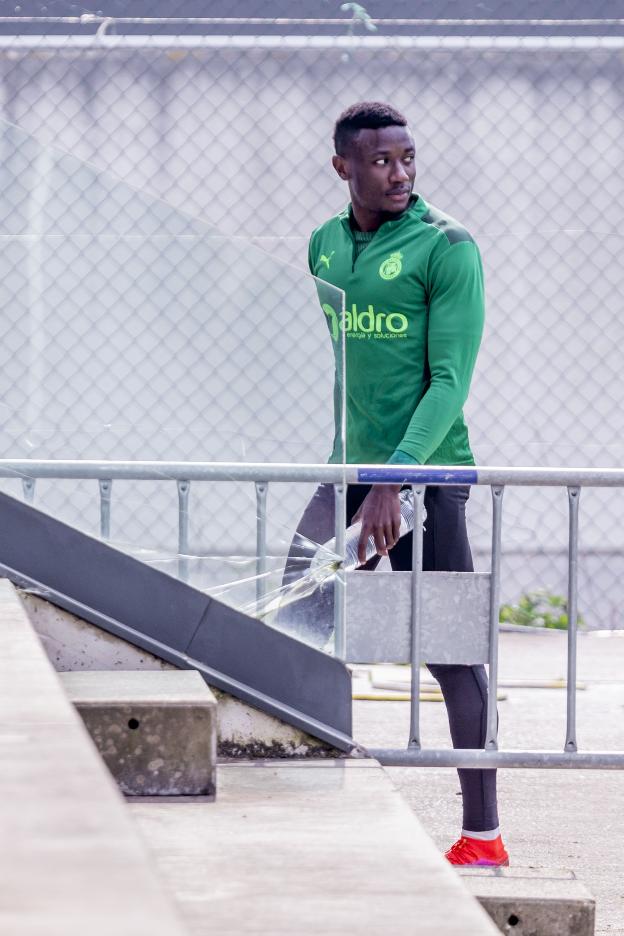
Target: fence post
106,490
574,494
340,639
262,488
491,738
418,492
184,488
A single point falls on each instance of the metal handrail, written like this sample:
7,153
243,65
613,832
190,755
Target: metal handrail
85,469
261,474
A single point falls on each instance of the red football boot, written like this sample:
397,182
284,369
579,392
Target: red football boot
477,852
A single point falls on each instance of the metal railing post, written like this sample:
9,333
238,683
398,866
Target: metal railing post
106,490
30,471
574,495
340,636
491,738
415,614
184,488
262,488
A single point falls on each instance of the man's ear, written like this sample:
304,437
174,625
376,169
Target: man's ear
341,165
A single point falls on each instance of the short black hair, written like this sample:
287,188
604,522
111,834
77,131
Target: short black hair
366,115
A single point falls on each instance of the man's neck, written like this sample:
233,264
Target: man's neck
368,221
364,220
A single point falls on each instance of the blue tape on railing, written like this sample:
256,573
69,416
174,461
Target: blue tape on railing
418,474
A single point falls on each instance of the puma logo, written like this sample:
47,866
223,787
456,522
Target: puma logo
325,260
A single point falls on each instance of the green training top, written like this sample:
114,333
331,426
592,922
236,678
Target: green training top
413,322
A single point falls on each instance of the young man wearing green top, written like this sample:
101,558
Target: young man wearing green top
414,310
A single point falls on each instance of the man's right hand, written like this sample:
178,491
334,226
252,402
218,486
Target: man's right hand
380,514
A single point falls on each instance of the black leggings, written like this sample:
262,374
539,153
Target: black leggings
445,548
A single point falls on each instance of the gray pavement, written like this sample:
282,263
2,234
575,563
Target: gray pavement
550,818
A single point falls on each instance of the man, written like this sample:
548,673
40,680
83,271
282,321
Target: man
413,286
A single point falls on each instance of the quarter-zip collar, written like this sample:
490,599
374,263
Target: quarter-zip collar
417,208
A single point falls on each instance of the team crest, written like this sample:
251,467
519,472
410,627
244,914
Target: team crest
391,267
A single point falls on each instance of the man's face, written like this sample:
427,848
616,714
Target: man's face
380,169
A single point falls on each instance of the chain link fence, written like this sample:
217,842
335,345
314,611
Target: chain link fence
139,150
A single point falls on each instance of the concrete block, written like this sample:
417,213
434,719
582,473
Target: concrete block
156,731
533,901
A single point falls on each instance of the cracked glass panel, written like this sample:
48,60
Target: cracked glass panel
133,332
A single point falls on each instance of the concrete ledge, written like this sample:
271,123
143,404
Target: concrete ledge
73,645
307,848
156,731
72,861
533,901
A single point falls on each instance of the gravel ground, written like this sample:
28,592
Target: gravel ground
550,818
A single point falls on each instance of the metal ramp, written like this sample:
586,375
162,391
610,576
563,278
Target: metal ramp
242,656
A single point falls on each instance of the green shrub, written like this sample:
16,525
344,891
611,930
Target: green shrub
539,608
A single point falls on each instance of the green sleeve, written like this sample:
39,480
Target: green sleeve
401,458
312,259
456,314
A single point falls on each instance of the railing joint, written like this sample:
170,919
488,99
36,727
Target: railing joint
28,489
